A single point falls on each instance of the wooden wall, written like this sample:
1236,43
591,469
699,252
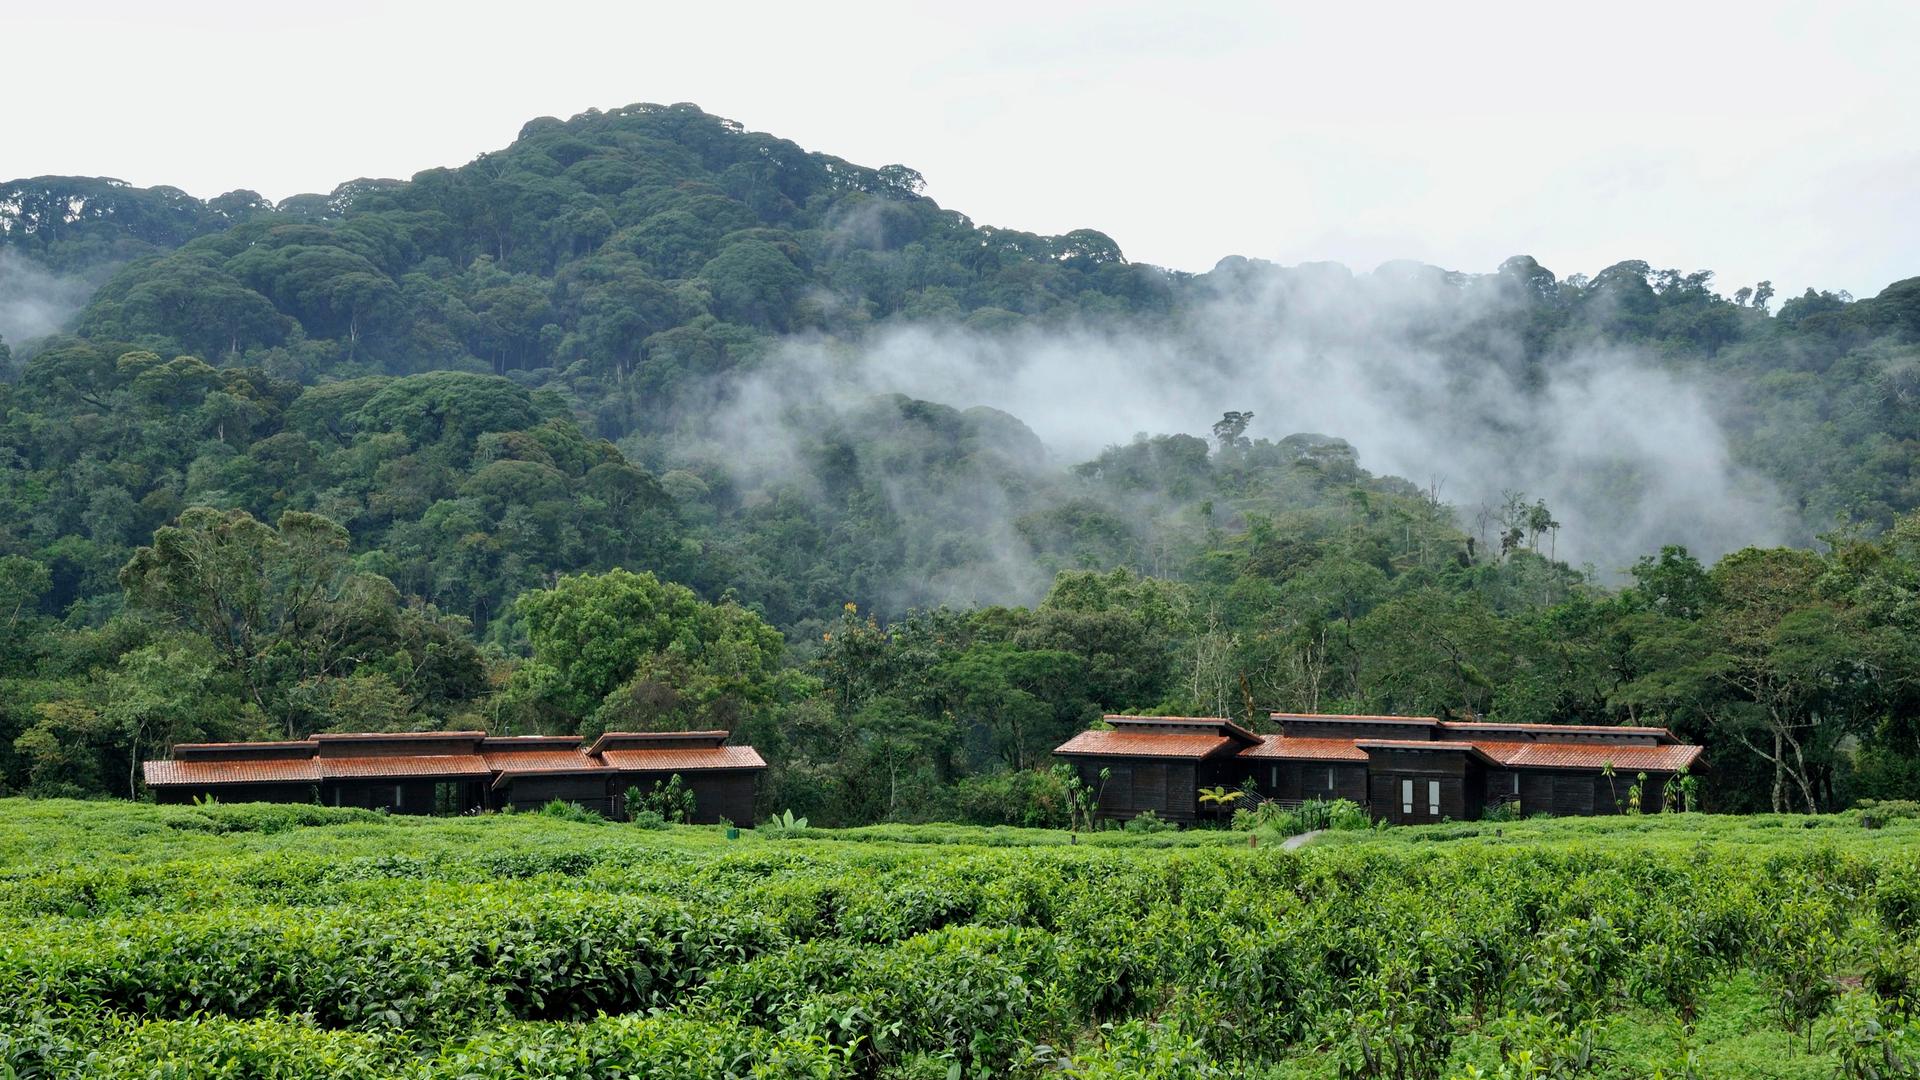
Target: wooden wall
1344,728
1171,789
534,792
716,794
1462,786
1578,793
399,796
1304,780
302,792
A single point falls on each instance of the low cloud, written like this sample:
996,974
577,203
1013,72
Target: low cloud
35,301
1420,371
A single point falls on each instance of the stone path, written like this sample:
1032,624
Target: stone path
1302,840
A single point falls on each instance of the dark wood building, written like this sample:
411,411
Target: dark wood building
1405,770
1158,763
453,772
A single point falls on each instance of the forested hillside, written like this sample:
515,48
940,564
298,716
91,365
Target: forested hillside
328,463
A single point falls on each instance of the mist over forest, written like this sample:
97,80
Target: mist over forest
909,492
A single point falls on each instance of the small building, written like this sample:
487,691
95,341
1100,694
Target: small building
456,772
1405,770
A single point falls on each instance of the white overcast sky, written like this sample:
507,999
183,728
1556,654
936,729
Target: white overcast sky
1757,140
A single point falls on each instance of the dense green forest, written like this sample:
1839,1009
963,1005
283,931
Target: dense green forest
512,445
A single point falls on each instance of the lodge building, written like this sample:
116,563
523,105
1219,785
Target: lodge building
1402,769
457,772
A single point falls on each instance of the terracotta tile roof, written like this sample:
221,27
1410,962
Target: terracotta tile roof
1160,744
1428,746
1282,748
1127,740
498,757
267,771
401,766
522,761
1501,752
506,779
1625,759
690,759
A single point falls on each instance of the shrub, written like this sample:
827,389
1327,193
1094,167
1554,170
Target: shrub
1502,812
1147,822
669,799
783,824
1030,798
1319,814
566,811
647,819
1874,813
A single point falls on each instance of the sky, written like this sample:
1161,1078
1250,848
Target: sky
1758,140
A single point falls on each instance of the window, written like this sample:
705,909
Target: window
397,789
1516,783
1275,781
1433,798
1406,796
1329,778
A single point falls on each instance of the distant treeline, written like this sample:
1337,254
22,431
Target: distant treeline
327,465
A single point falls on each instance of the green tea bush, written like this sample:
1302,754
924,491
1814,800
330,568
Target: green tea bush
524,946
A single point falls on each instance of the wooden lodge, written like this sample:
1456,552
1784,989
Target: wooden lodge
1402,769
457,772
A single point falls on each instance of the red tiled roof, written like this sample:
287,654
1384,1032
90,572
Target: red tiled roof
506,779
1624,759
404,765
1427,745
521,761
260,771
1282,748
1501,752
690,759
1160,744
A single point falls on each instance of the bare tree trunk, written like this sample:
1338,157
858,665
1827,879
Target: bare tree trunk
1779,773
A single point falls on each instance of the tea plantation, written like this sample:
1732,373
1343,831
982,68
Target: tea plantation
295,942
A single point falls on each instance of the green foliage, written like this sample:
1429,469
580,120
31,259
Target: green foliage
1146,823
647,819
1874,813
566,811
783,824
1033,798
142,942
669,801
627,652
1313,815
